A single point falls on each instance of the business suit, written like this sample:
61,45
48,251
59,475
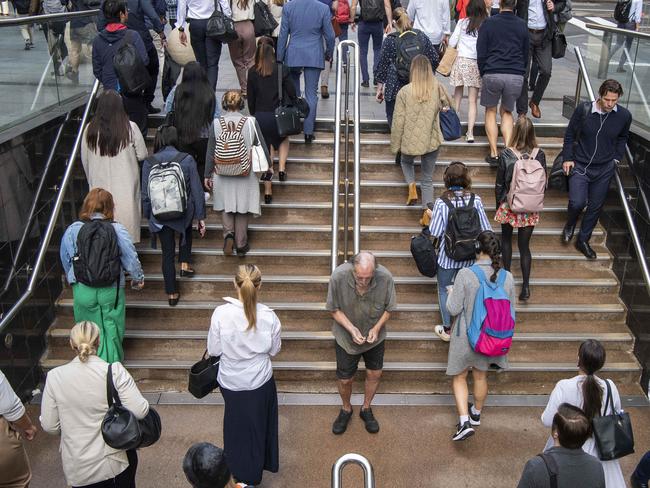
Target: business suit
305,23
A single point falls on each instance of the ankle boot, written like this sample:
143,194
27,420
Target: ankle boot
413,194
425,220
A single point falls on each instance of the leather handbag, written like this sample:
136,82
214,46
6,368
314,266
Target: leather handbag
450,125
287,117
447,61
260,163
558,45
121,429
203,376
558,180
264,22
220,27
613,433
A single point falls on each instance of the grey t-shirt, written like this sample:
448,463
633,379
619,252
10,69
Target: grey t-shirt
576,469
364,311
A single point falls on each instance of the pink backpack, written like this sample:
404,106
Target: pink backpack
528,183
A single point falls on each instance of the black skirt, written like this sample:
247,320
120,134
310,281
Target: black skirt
269,128
250,432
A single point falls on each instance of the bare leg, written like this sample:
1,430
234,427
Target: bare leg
283,153
371,385
345,390
480,388
491,129
507,124
458,96
472,96
461,392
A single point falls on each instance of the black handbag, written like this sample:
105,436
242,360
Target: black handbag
120,428
613,432
287,117
203,376
558,45
220,27
423,250
264,22
558,180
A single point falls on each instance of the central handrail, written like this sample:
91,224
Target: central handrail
336,173
45,241
39,19
352,458
640,252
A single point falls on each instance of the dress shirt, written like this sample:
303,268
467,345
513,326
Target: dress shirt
11,408
245,354
536,19
198,9
431,17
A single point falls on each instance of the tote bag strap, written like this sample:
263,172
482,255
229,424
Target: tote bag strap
609,400
111,393
279,65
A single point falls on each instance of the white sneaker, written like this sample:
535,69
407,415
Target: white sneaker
440,332
469,137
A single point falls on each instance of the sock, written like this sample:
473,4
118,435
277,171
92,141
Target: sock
474,411
463,419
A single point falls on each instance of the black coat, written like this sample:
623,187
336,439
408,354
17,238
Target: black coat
507,161
521,10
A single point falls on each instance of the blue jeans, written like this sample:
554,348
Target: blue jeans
428,164
366,31
446,277
312,76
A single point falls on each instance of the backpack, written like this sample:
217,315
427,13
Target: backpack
423,251
372,10
231,155
343,12
129,68
526,193
463,227
97,260
166,188
492,325
622,11
407,46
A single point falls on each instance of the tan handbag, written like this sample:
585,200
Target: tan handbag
447,61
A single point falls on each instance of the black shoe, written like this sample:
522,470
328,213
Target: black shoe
620,69
398,158
525,293
27,46
586,249
309,138
268,199
493,161
463,432
474,420
365,84
282,175
372,426
228,244
241,251
187,272
174,301
567,233
340,425
153,110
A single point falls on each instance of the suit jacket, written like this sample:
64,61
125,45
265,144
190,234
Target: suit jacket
305,23
74,404
521,10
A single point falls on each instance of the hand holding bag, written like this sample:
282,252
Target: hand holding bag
220,27
450,125
203,376
558,45
613,433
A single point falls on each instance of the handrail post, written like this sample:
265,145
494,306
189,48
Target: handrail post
352,458
357,152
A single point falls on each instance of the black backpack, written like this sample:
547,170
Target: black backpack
463,227
423,250
372,10
622,11
97,260
129,68
408,46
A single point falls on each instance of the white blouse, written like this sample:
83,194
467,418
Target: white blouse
245,354
465,43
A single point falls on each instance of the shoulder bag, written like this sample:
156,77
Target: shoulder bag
613,433
287,117
203,376
558,180
120,428
449,58
558,44
259,160
264,22
551,467
220,27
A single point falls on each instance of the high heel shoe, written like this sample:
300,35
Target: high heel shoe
413,194
268,199
174,301
283,176
187,272
525,293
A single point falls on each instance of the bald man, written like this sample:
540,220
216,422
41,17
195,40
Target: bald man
360,297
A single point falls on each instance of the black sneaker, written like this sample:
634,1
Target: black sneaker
463,432
473,419
493,161
365,84
340,425
372,426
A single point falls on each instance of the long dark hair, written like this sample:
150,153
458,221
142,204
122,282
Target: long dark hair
476,13
489,244
591,358
109,131
194,103
264,56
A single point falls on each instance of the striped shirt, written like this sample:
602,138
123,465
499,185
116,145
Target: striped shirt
439,225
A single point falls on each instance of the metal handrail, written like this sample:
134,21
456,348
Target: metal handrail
640,252
616,30
336,176
352,458
45,241
37,19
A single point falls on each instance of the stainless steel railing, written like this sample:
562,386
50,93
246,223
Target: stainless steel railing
39,19
343,97
45,241
352,458
640,252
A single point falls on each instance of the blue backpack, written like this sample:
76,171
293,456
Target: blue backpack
493,319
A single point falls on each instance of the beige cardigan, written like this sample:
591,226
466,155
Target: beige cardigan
74,404
416,126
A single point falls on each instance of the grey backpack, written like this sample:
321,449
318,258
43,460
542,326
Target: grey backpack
166,186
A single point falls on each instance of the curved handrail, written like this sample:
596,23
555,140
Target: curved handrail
616,30
45,241
38,19
352,458
640,252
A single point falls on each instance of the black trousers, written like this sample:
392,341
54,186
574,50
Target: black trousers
540,51
126,479
167,238
207,51
152,68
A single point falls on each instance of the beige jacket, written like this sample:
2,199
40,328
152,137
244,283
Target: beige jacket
416,126
74,404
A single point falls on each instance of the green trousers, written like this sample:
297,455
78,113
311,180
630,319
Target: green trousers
98,305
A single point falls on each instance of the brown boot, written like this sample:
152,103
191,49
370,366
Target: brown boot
425,220
413,194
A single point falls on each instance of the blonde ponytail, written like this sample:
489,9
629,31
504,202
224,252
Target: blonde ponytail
84,338
402,21
248,281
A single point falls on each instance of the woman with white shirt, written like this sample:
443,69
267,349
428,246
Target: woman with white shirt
588,392
74,405
242,50
464,72
246,334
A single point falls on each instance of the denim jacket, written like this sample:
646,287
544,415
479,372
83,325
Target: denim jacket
128,254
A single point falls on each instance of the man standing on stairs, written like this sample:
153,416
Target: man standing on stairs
361,296
594,143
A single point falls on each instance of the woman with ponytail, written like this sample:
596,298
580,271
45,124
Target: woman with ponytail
588,392
74,404
246,334
462,358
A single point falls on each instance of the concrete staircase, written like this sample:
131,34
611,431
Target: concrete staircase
572,299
